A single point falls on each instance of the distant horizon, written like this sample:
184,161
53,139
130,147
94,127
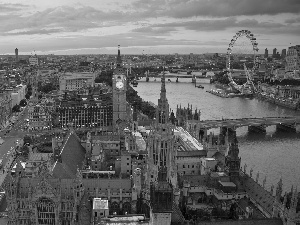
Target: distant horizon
94,54
69,27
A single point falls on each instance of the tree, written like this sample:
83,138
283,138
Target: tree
27,96
23,102
29,88
46,88
16,108
27,139
24,150
55,119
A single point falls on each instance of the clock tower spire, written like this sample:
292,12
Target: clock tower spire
119,86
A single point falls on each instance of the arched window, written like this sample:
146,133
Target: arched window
45,210
114,208
126,208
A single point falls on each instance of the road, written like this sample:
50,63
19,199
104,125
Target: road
11,139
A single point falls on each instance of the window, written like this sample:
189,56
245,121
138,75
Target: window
95,214
183,166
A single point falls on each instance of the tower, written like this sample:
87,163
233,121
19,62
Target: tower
277,203
161,196
283,53
266,53
161,143
232,160
17,55
119,84
274,52
293,213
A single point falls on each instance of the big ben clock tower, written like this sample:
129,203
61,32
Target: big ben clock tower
119,93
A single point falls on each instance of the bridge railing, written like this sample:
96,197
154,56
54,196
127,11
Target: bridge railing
253,118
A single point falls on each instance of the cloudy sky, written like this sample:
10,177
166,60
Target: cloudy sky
144,26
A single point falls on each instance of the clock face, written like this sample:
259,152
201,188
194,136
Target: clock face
119,84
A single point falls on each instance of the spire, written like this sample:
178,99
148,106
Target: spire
162,111
119,60
163,86
279,189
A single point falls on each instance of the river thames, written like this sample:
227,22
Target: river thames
274,154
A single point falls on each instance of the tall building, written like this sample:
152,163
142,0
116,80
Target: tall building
274,52
161,178
161,142
232,160
283,53
266,53
17,55
293,61
119,87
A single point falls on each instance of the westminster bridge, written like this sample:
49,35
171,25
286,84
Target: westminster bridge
199,128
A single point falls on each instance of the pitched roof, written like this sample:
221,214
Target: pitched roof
61,170
72,156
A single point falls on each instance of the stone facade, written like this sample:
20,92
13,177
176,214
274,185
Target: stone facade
5,108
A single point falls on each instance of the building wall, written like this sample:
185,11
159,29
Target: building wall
5,108
293,59
39,118
188,166
126,164
17,95
75,81
33,61
83,114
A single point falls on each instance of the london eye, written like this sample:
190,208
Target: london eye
241,54
242,48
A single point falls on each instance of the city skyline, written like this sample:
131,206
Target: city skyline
144,27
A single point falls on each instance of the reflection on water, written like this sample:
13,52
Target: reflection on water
274,154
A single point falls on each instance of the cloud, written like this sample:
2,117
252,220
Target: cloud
155,30
8,8
212,25
34,31
218,8
219,24
293,20
66,18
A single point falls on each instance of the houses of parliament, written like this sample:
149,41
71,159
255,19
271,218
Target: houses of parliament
156,174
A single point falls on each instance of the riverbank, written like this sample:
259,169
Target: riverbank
219,93
288,103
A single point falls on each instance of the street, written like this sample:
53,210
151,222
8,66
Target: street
11,140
